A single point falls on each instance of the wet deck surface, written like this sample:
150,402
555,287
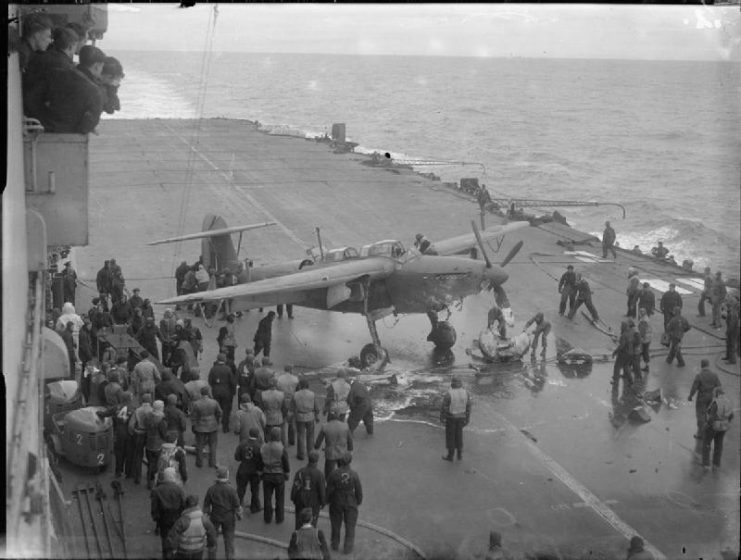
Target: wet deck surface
550,461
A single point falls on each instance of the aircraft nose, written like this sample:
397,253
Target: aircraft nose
496,275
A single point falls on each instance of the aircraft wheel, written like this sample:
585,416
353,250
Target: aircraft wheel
370,355
443,336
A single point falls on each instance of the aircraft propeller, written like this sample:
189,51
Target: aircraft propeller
511,255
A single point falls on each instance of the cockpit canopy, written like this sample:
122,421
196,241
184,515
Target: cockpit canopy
386,248
341,254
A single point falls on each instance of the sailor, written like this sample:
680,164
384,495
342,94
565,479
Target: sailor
205,414
172,456
634,286
707,291
423,245
249,417
137,427
306,412
168,503
717,296
455,414
670,300
275,408
275,472
180,273
223,386
567,289
644,329
169,336
583,295
337,391
307,542
245,373
495,315
703,385
309,490
156,432
221,504
719,416
69,282
250,464
145,375
675,331
636,349
542,329
361,407
608,241
227,338
338,440
623,355
261,381
202,278
103,281
732,329
344,495
660,252
192,533
122,441
175,418
647,299
287,383
264,335
136,300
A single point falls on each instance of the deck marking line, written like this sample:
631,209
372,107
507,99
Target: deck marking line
582,491
256,204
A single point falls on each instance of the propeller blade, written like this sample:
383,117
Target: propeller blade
511,255
481,243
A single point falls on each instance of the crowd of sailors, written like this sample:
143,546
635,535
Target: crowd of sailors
63,96
152,404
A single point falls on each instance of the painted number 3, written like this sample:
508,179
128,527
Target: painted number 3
100,458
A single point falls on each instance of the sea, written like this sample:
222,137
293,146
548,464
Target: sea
660,138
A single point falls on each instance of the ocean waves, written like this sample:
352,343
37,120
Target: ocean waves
566,130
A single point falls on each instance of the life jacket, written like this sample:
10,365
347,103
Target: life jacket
193,539
307,544
167,459
458,401
341,389
723,414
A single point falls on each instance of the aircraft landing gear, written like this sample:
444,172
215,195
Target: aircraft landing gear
372,355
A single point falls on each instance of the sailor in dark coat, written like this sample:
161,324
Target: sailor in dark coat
308,489
264,335
669,302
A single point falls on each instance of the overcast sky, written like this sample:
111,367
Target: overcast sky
560,31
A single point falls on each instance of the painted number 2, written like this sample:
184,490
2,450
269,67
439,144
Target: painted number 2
100,458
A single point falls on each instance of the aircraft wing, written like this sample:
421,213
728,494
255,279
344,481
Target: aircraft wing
293,287
212,233
465,242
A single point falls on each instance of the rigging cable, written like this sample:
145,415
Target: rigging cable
196,130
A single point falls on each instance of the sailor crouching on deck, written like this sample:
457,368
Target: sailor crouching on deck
455,414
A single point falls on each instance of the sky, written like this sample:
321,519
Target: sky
636,32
